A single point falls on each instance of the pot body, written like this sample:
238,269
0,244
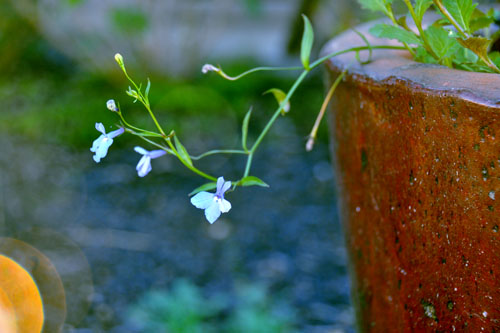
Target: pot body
416,151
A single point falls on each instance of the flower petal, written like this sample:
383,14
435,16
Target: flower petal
226,186
100,128
102,149
224,206
144,166
141,150
212,213
97,143
116,133
220,183
202,200
157,153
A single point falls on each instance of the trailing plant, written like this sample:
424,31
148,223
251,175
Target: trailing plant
460,37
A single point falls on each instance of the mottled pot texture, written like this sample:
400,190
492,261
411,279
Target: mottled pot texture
416,151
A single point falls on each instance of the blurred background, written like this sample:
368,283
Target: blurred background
133,255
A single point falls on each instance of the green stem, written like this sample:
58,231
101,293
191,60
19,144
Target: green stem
146,132
145,102
418,24
450,18
354,49
253,70
187,165
219,151
272,120
393,19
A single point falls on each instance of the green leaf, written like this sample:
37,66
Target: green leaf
392,32
421,7
307,42
148,86
461,11
441,43
251,181
481,20
204,187
376,5
244,130
280,97
495,57
478,45
183,154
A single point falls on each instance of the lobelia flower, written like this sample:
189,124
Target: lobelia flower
144,165
102,143
213,203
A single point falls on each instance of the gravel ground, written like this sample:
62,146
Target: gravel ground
142,234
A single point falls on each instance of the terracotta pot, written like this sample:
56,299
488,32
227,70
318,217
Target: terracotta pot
416,151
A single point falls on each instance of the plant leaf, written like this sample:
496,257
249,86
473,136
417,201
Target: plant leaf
376,5
280,97
307,42
183,154
441,43
148,86
461,11
244,130
421,7
204,187
251,181
392,32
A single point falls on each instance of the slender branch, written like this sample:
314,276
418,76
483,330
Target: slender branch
253,70
219,151
354,49
314,131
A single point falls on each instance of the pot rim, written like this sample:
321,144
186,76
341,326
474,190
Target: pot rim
391,66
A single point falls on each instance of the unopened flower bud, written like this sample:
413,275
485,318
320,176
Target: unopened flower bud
111,105
119,59
209,68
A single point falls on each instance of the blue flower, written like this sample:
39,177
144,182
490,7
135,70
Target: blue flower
144,165
213,203
102,143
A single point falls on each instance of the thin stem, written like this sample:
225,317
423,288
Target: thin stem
253,70
219,151
393,19
272,120
314,131
450,18
418,24
187,165
148,133
354,49
145,102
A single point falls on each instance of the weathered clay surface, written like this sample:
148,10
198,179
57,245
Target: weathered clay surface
416,150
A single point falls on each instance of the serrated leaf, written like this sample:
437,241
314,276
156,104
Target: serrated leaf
244,130
251,181
376,5
280,97
480,20
478,45
461,11
421,7
183,154
204,187
307,42
441,43
392,32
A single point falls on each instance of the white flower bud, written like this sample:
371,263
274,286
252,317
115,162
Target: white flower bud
209,68
119,59
111,105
